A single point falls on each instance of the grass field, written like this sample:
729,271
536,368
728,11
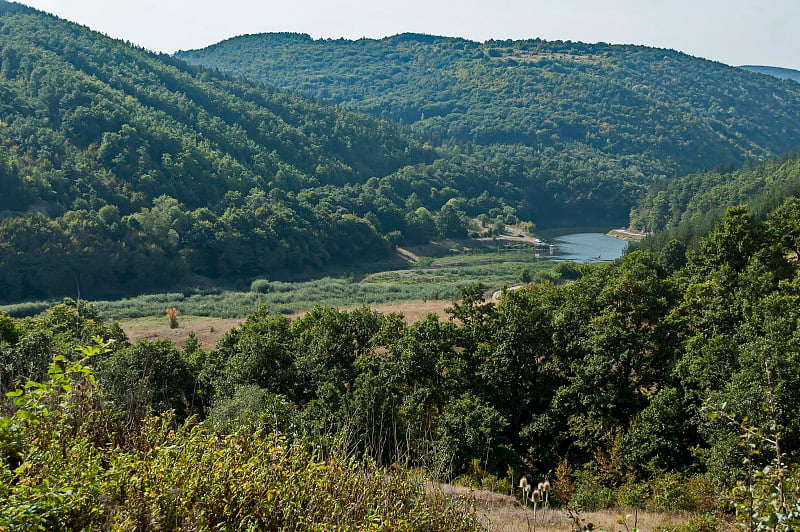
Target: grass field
432,272
208,330
430,280
413,282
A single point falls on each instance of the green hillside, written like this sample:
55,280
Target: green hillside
687,208
121,170
125,171
583,125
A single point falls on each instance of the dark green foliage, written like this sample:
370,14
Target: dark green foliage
259,354
122,170
614,373
469,428
574,130
687,208
27,346
9,333
652,437
150,377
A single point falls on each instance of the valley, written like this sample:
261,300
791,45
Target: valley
295,283
434,279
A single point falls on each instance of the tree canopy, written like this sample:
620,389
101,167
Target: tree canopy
580,128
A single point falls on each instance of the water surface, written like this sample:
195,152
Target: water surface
586,247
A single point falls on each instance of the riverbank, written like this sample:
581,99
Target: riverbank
627,234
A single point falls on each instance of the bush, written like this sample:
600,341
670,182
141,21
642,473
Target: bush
261,286
568,270
252,406
157,475
589,495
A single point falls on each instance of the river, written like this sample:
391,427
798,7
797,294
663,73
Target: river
586,247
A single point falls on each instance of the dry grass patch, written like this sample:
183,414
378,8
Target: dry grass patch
209,330
504,513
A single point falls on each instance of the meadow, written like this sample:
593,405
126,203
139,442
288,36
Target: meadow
424,273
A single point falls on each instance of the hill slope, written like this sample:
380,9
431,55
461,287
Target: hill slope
687,208
581,120
778,72
121,170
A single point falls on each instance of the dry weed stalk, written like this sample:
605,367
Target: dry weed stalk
172,317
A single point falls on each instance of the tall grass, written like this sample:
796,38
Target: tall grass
442,277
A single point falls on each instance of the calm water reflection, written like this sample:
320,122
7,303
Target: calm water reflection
587,247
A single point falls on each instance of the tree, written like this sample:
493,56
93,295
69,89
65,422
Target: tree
150,377
450,223
420,226
262,355
732,242
784,226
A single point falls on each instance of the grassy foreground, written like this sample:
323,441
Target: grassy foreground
76,465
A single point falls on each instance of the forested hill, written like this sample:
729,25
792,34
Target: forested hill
591,112
122,170
688,208
778,72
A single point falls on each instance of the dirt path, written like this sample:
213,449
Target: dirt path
209,330
497,293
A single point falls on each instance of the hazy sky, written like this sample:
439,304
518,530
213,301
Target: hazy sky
732,31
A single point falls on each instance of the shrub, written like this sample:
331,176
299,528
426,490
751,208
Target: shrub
261,286
252,406
172,317
588,494
81,467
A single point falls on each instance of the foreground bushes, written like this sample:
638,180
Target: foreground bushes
68,463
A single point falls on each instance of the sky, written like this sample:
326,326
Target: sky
736,32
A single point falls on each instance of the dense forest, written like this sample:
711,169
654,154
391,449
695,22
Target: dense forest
584,126
688,207
123,170
633,384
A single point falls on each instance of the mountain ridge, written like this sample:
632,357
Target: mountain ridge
286,62
582,121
